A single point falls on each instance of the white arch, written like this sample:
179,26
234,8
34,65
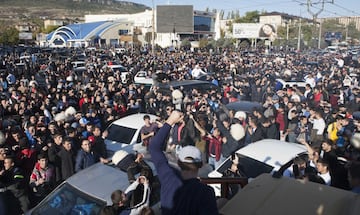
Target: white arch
64,32
61,30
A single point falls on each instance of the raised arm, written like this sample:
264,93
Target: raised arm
197,126
308,147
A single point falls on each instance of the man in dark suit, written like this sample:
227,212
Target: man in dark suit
256,133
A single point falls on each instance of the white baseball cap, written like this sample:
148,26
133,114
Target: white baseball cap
190,152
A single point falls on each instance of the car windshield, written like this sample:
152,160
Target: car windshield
68,200
120,134
249,166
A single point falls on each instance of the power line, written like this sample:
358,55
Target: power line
351,11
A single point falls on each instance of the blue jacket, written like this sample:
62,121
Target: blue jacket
84,160
179,197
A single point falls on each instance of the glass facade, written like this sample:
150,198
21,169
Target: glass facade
203,23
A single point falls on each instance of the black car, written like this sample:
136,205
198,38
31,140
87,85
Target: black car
187,86
246,106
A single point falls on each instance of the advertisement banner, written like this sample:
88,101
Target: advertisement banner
254,30
25,35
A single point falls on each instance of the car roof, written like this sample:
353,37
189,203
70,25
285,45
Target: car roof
176,84
246,106
99,181
268,195
134,121
275,153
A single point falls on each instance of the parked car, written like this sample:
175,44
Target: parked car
299,83
269,195
113,67
89,190
141,77
246,106
78,65
124,133
187,85
264,156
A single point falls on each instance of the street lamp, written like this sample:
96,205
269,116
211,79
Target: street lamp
153,30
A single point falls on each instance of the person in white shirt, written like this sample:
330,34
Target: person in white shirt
310,80
197,72
322,167
319,124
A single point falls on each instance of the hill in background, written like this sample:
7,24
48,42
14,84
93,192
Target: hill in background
14,11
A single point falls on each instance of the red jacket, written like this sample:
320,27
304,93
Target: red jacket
215,142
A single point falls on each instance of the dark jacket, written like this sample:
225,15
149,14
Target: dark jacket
188,134
67,163
231,145
85,159
178,196
16,198
257,135
272,132
55,160
99,147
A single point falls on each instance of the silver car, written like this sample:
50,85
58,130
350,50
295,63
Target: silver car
88,191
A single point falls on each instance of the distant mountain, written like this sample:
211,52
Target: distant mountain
24,10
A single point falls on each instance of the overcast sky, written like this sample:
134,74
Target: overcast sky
292,7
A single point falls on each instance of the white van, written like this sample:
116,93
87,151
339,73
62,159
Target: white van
332,49
78,64
264,156
124,133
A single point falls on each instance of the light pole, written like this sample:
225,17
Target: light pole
299,35
319,42
153,30
287,34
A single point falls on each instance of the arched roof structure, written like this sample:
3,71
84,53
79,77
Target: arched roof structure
80,31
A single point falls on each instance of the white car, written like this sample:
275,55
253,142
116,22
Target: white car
124,133
264,156
89,190
300,84
141,77
117,68
78,64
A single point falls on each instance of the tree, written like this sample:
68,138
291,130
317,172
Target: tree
9,36
185,44
50,29
203,43
353,32
250,17
222,14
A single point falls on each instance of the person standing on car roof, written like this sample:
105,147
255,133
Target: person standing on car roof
197,72
181,193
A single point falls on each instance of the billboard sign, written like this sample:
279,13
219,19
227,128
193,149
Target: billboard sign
331,36
174,19
254,30
25,35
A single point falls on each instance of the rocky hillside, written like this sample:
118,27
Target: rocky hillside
25,10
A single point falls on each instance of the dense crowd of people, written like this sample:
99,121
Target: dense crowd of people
54,119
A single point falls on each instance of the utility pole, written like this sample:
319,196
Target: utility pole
319,42
315,15
287,31
299,35
153,29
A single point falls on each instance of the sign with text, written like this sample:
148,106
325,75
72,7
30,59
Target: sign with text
253,30
25,35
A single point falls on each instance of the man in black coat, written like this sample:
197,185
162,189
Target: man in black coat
67,159
54,159
13,184
256,132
